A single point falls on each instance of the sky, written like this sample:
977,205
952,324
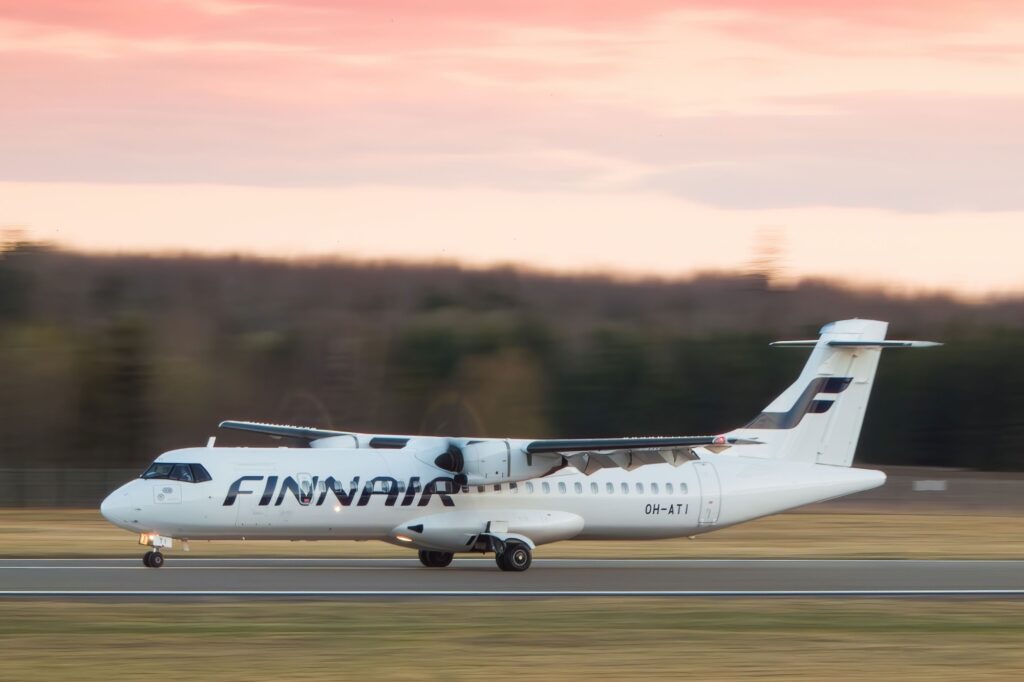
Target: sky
877,143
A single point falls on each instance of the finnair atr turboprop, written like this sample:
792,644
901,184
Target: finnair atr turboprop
505,496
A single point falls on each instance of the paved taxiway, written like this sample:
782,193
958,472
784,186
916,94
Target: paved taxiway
182,576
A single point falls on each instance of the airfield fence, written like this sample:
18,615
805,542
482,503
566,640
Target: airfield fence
60,487
908,490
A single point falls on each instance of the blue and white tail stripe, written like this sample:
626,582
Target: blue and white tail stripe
817,398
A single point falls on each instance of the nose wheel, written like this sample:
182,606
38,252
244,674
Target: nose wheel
153,559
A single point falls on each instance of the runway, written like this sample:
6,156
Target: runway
183,577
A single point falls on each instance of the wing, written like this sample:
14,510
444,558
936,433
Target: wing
590,454
282,431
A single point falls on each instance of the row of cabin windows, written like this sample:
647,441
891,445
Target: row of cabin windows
547,488
609,488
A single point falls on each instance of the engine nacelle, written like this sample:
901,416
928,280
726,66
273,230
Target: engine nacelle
491,461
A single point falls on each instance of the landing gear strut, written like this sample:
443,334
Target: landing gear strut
517,557
435,559
153,559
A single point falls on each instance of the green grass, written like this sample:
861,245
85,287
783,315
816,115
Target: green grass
532,639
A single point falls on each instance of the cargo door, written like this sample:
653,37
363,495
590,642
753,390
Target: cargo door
254,498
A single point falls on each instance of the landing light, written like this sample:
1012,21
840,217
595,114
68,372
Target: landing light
403,538
337,507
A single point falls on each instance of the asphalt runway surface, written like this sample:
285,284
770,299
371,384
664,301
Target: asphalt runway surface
185,577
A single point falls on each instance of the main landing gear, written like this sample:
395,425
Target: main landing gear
510,555
153,559
516,557
435,559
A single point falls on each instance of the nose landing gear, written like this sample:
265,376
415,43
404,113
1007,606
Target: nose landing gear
153,559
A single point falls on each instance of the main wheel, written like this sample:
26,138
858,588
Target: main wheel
156,560
442,559
146,557
516,557
435,559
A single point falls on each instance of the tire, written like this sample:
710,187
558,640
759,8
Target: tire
517,557
145,559
435,559
442,559
157,560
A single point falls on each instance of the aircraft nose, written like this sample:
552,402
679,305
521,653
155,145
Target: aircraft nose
116,507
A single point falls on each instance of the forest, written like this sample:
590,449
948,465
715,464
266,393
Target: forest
108,360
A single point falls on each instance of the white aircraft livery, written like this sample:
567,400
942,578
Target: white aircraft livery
505,496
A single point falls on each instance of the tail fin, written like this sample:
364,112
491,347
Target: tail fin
818,418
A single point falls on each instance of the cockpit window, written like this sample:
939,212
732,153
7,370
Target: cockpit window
181,472
158,470
200,474
186,473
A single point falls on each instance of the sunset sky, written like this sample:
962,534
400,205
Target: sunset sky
880,142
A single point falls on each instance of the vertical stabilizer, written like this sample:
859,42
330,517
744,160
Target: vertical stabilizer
818,419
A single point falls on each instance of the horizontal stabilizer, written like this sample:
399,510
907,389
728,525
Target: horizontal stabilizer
811,343
884,344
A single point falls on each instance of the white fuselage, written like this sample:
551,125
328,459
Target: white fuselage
392,495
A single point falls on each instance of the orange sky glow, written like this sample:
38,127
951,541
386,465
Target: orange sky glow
880,142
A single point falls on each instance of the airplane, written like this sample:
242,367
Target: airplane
505,496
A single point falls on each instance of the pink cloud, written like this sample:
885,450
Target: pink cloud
525,95
418,22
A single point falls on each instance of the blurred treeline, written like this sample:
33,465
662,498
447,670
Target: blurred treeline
107,361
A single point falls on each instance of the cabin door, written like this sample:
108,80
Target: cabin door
710,493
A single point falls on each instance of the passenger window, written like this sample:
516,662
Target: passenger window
561,487
609,488
654,488
578,487
668,488
305,488
529,488
546,487
593,488
682,488
401,486
514,488
625,488
639,488
479,488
